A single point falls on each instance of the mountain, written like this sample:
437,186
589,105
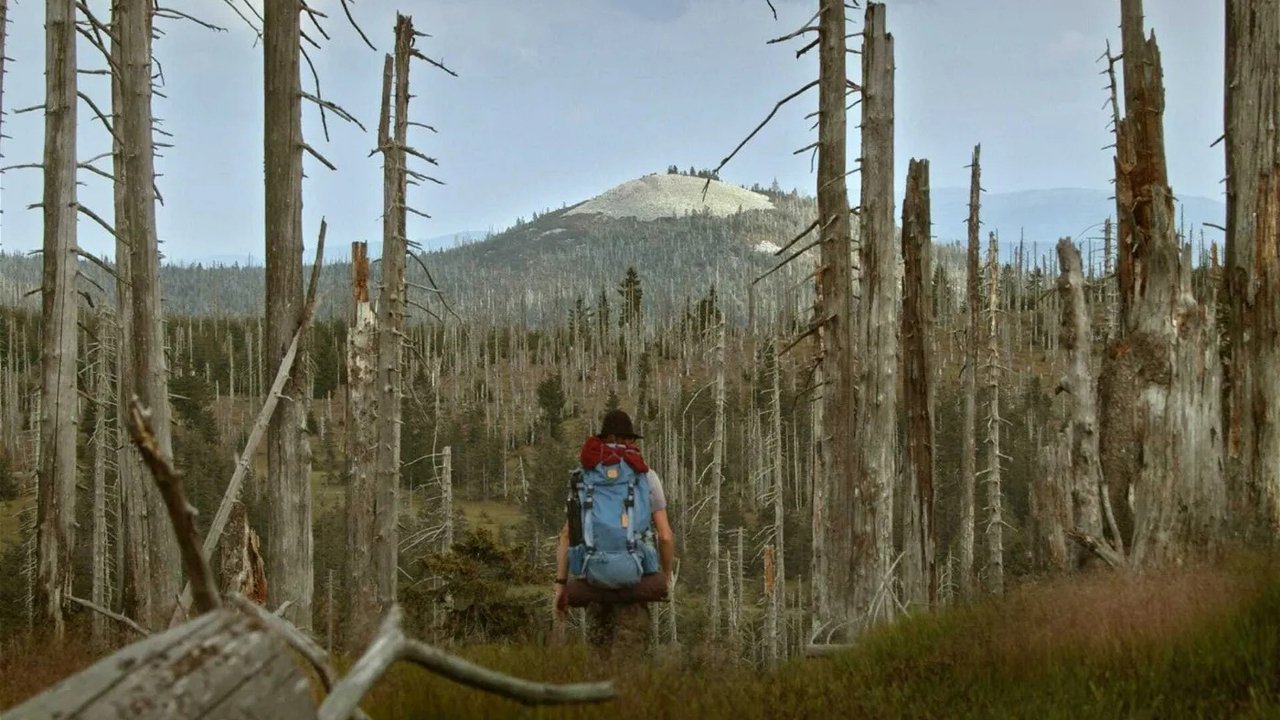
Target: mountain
343,252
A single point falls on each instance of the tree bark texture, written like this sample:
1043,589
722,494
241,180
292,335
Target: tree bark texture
968,450
1252,261
59,407
995,494
364,608
917,331
875,456
717,485
834,494
289,547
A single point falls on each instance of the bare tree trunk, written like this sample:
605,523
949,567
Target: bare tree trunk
132,29
969,445
391,320
98,590
59,332
289,550
4,32
1081,436
877,419
775,632
717,482
1252,262
917,332
995,511
362,438
833,477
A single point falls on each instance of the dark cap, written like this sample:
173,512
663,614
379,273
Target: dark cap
618,422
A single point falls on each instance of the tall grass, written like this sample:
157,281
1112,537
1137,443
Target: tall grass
1198,642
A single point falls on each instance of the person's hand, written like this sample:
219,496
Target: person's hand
561,605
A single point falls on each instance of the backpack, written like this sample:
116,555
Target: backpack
611,539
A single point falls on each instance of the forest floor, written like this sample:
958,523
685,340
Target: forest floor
1197,642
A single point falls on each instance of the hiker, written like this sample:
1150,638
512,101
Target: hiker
617,570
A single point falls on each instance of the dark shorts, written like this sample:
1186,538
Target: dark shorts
619,627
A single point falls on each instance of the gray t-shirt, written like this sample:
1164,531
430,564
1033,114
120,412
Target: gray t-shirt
657,496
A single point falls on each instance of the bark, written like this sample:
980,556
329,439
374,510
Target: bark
917,333
717,483
59,400
1084,481
1252,260
776,589
362,440
446,496
875,455
132,31
968,451
995,510
99,587
289,547
1161,440
833,478
4,32
391,320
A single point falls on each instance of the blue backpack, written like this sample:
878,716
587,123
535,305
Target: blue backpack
610,526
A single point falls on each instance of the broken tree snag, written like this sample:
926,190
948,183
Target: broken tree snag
1252,262
181,513
131,22
363,608
221,664
833,317
385,541
917,392
875,454
968,451
289,547
59,333
1081,430
241,564
391,646
1161,439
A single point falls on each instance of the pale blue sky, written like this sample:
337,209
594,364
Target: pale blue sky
558,100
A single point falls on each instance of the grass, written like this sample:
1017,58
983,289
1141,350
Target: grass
1198,642
10,522
492,515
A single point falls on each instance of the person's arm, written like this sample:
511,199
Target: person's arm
562,572
666,542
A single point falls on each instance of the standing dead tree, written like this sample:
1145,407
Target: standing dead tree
59,332
717,488
1161,440
134,166
968,450
917,330
289,544
362,439
1252,261
995,496
877,417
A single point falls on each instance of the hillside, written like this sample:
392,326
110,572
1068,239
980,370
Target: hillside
672,195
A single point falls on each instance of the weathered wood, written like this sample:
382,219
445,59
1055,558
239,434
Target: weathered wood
717,489
1252,261
362,439
833,315
994,530
222,664
875,454
59,401
289,544
968,430
917,332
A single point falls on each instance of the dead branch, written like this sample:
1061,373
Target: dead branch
758,128
391,645
807,27
438,63
1098,547
114,616
181,513
171,14
96,218
788,261
347,11
101,117
315,154
100,263
335,109
256,30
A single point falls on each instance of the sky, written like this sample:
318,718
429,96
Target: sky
558,100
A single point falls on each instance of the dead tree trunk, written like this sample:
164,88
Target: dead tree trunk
59,332
717,483
1160,429
833,492
877,418
995,510
1084,478
1252,262
775,565
132,31
362,439
99,591
969,445
4,32
392,140
289,551
917,331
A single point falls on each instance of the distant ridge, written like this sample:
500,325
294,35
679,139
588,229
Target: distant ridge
671,195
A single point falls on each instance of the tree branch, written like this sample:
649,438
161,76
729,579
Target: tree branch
114,616
758,128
